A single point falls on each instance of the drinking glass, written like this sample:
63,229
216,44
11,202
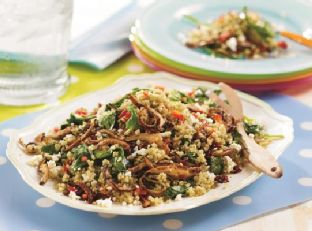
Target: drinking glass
34,38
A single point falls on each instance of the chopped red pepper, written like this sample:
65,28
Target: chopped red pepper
146,94
66,168
217,118
191,93
125,115
177,115
81,112
224,36
84,158
282,44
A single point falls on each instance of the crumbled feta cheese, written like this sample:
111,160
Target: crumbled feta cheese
198,92
100,112
73,195
236,146
209,120
107,203
56,157
229,164
232,44
178,197
125,161
166,134
127,173
52,168
141,152
211,176
35,160
194,120
251,135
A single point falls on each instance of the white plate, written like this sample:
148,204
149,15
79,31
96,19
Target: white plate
253,107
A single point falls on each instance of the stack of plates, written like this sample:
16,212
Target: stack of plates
157,39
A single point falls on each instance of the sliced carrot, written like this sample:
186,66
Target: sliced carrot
177,115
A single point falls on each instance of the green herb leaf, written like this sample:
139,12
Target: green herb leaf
191,156
78,164
73,119
80,150
118,161
175,95
173,191
101,154
49,148
108,120
132,123
216,165
217,91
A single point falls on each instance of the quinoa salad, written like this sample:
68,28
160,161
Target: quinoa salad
236,35
149,147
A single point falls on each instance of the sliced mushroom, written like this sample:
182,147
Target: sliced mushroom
112,141
81,138
147,164
175,171
111,134
123,188
155,138
43,169
149,118
148,178
224,152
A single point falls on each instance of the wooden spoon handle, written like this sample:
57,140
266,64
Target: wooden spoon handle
297,38
260,157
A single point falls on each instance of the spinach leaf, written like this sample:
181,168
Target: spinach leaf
118,160
73,119
173,191
200,94
101,154
49,148
78,164
108,120
132,123
191,156
216,165
78,152
116,104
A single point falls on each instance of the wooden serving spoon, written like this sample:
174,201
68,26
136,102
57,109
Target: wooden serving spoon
257,155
